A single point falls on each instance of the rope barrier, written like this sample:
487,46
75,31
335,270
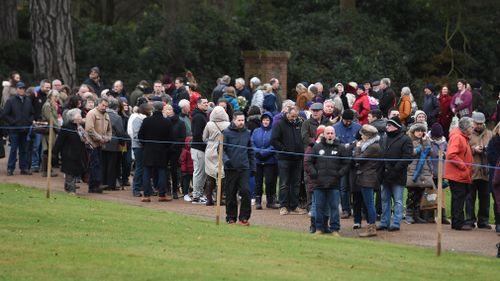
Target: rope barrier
266,150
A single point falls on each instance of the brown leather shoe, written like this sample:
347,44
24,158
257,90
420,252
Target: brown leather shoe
146,199
165,198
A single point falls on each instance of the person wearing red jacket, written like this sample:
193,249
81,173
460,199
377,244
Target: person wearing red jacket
362,105
186,168
458,171
445,113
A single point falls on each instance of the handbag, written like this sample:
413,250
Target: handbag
429,199
41,128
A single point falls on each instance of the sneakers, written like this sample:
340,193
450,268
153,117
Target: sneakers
10,173
393,228
244,223
199,200
146,199
231,222
252,201
165,199
298,211
356,226
283,211
187,198
335,234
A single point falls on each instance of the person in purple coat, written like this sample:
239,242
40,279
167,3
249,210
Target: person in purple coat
461,104
267,165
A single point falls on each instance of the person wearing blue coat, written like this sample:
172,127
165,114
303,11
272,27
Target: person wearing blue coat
230,96
267,165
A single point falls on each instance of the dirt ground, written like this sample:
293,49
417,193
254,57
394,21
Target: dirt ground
478,241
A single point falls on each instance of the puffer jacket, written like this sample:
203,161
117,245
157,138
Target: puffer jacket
367,170
426,172
362,107
457,166
261,142
399,147
324,167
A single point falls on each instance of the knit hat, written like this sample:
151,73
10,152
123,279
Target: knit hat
430,87
395,121
421,127
158,105
319,131
348,114
437,130
418,112
368,130
361,87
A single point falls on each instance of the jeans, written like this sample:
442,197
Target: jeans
345,193
459,192
367,193
289,171
388,191
19,142
479,189
36,150
324,199
95,159
269,173
236,182
162,180
199,176
139,170
186,181
172,175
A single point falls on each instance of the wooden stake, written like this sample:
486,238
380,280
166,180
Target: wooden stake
440,204
49,157
219,179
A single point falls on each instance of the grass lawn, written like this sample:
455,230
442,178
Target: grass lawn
69,238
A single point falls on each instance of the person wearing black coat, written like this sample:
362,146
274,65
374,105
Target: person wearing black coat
327,165
18,112
179,135
70,143
155,133
395,145
388,97
198,122
286,138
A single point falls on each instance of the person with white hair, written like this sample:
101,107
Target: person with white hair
71,143
258,94
185,106
405,105
241,90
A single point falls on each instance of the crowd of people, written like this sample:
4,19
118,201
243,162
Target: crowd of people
350,151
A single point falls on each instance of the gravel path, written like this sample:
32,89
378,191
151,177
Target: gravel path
478,241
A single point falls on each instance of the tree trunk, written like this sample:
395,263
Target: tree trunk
52,40
8,20
348,5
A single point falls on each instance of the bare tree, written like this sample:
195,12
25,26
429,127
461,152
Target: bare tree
52,40
8,20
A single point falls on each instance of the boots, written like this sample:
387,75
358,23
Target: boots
326,226
417,217
270,202
428,216
44,167
369,231
210,191
312,228
258,202
444,220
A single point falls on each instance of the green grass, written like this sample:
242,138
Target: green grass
69,238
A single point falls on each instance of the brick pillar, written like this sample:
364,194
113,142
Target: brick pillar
266,65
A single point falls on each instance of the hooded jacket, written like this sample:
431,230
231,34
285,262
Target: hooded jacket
324,167
397,146
362,107
457,166
261,142
238,155
219,121
404,108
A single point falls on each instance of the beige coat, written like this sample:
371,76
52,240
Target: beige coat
7,92
480,173
98,126
219,121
